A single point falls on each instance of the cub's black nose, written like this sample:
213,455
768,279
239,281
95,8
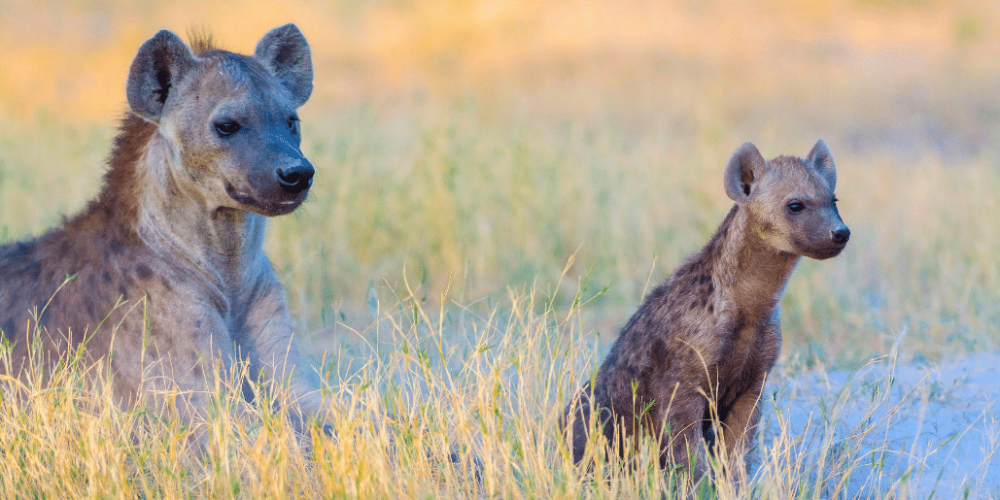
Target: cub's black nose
296,179
841,235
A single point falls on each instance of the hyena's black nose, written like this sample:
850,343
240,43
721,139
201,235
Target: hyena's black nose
841,235
296,179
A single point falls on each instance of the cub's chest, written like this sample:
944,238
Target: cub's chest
739,342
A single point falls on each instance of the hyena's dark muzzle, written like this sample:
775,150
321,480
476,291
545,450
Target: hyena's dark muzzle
830,240
290,182
296,179
278,185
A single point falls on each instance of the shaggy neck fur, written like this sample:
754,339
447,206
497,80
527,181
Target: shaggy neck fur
748,271
146,203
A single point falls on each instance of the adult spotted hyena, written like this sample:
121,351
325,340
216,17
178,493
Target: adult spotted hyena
701,344
208,152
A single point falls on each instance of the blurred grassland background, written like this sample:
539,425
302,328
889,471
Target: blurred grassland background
473,147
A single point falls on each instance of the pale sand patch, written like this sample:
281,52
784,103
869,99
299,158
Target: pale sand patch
917,430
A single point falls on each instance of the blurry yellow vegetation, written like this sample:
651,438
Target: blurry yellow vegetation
72,56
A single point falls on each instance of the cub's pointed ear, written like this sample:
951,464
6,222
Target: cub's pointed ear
285,53
157,68
743,172
821,160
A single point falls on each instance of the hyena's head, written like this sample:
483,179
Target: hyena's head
790,200
230,119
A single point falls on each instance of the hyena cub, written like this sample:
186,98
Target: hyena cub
708,336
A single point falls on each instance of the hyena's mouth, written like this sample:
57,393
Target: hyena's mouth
827,251
265,207
818,251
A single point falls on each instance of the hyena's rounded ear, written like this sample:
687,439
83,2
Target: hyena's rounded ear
821,160
157,68
743,172
285,52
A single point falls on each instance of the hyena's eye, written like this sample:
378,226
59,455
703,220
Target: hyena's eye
227,128
293,125
796,206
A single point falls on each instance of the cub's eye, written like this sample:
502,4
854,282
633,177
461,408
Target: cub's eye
293,125
796,207
227,128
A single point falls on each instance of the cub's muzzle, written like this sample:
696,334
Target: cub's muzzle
840,235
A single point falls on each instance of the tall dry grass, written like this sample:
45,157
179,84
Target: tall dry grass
446,403
481,144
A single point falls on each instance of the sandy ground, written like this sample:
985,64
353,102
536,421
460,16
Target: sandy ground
917,430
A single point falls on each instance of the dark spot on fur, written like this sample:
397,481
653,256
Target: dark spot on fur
115,245
692,306
8,328
739,323
711,308
673,317
165,343
107,277
35,270
197,323
143,271
21,250
123,291
660,350
166,284
711,288
220,304
704,302
705,279
89,305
